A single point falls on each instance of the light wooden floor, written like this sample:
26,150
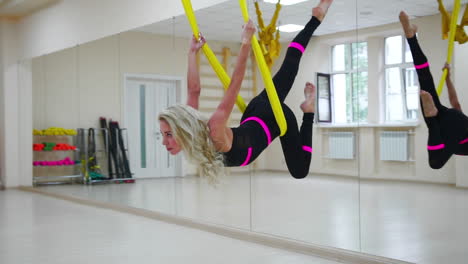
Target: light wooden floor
42,230
422,223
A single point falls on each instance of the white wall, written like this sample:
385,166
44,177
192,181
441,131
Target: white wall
10,104
86,80
69,23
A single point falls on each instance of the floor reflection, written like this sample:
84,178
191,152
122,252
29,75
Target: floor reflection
417,222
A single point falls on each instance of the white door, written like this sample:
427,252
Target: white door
144,99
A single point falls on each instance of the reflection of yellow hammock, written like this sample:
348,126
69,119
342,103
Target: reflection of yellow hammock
455,33
460,34
269,35
222,75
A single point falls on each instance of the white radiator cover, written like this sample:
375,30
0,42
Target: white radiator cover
341,145
394,146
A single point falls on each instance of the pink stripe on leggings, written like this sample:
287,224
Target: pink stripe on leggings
307,148
264,126
249,155
297,46
422,66
464,141
437,147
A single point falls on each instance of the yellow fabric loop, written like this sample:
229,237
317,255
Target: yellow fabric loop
217,67
269,35
452,34
460,34
266,76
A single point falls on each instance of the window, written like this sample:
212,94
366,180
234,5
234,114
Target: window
401,82
349,82
324,98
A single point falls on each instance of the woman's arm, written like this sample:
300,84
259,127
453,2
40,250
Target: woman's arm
451,90
226,105
193,74
218,121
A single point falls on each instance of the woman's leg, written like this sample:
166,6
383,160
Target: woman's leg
457,134
448,134
297,145
432,109
439,153
426,82
285,76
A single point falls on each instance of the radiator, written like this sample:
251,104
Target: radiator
394,145
341,145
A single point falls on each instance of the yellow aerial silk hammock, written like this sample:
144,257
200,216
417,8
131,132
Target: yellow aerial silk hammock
454,32
460,34
269,35
222,75
220,72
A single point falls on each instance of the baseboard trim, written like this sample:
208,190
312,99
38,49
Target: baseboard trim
334,254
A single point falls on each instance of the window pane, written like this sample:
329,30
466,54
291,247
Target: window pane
340,96
360,101
394,107
339,58
412,93
394,101
393,52
393,80
359,51
324,98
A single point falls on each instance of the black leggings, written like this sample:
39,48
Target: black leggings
448,130
296,144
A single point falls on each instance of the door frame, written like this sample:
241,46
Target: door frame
180,82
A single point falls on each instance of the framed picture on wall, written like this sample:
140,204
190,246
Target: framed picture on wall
324,98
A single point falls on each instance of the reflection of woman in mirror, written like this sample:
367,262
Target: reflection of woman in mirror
212,145
448,127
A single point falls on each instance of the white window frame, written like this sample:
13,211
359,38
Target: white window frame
402,67
351,71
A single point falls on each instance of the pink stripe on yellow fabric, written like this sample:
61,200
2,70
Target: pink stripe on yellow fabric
249,155
437,147
307,148
297,46
422,66
264,126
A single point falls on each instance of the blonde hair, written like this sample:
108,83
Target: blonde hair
190,130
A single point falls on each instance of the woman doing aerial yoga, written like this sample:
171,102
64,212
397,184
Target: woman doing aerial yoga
211,144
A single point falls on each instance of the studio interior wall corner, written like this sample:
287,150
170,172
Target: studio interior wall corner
70,23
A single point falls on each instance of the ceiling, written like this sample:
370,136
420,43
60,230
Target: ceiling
224,21
20,8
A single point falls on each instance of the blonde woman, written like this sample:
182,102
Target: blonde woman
211,144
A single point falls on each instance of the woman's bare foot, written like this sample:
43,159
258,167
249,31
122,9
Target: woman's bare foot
321,9
410,29
308,106
429,107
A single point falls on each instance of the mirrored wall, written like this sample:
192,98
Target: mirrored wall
408,210
370,188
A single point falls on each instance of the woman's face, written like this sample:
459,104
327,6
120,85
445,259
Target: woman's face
168,139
